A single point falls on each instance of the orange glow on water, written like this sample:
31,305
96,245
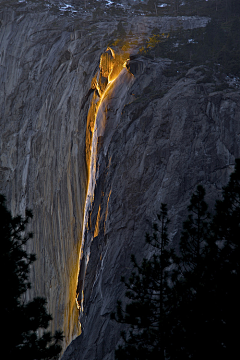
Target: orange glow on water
111,65
96,230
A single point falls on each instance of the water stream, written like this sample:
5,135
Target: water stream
111,81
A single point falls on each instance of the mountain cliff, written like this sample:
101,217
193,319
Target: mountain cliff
159,134
161,149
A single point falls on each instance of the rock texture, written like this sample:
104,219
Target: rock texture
46,70
162,137
163,146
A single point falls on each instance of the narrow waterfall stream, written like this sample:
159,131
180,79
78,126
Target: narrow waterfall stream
111,81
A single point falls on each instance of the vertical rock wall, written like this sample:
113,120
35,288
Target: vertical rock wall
165,137
45,75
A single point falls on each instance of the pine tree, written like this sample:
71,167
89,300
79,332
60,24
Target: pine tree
205,304
21,322
147,290
187,295
194,234
186,306
224,277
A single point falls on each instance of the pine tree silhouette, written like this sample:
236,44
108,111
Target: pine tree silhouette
186,306
147,290
187,332
21,321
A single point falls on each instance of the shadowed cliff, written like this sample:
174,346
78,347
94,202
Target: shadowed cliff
161,149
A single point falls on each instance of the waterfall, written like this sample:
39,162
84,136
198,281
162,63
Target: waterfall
111,81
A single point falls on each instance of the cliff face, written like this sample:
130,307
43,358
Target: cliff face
160,150
45,73
161,137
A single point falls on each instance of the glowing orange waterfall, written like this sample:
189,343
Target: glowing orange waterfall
110,68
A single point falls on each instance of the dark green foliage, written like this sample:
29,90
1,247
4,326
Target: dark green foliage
147,290
197,297
21,321
227,218
188,311
194,234
225,277
205,306
14,259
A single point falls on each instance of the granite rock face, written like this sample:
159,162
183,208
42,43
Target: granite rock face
162,147
162,137
45,75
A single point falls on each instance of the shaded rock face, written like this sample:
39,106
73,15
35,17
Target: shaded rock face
45,74
160,150
161,138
